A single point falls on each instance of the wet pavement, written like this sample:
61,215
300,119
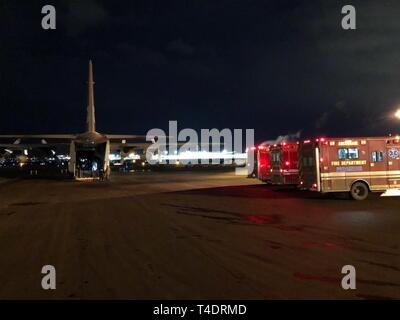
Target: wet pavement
195,235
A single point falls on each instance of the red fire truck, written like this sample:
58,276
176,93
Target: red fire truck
277,164
355,165
264,163
251,163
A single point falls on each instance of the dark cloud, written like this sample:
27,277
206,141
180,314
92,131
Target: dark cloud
83,14
339,111
288,138
180,47
275,66
141,55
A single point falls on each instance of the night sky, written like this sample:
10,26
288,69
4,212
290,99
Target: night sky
276,66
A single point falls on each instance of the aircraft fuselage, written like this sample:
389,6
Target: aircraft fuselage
89,154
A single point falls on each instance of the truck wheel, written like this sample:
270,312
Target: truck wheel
359,191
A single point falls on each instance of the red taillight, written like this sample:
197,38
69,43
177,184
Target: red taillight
287,163
321,160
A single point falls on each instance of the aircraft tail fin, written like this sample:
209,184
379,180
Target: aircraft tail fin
90,120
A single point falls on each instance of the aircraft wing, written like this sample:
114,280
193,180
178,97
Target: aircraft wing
18,142
125,137
128,146
38,136
127,141
10,148
131,137
13,146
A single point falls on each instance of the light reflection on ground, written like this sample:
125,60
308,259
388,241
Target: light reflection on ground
391,193
357,217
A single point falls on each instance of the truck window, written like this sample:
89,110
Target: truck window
377,156
275,157
347,153
308,162
342,153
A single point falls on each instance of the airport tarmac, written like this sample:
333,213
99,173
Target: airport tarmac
193,235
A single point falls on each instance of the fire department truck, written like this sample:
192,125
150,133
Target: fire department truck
277,164
355,165
251,163
264,163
